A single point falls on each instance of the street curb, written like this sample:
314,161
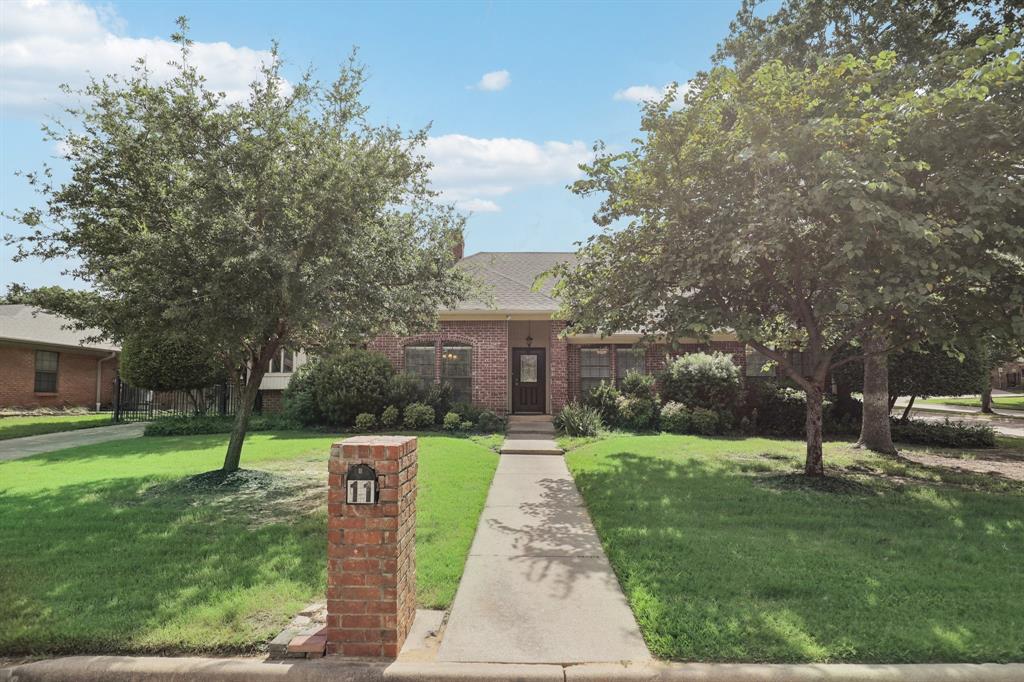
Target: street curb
775,672
160,669
335,669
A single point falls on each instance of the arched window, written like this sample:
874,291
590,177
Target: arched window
419,361
457,370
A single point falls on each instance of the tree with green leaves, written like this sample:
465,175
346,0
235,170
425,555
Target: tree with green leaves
802,33
169,361
285,219
799,207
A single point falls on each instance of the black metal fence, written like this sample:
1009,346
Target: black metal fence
132,404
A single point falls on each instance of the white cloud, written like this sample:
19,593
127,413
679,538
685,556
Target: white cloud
493,81
472,171
44,43
649,93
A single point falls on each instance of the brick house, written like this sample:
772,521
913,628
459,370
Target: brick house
44,365
508,354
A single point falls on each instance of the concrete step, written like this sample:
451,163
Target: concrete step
548,429
524,446
521,418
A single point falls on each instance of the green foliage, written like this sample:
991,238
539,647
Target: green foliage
605,400
944,434
283,218
404,389
418,416
439,397
366,421
452,422
467,411
638,414
389,417
169,361
193,426
489,422
782,411
926,371
335,388
708,380
578,419
678,418
638,385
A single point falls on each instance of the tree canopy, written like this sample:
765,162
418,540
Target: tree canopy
800,206
286,218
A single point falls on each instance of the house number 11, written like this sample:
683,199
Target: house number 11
361,485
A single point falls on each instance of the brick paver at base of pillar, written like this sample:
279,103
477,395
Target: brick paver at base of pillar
371,549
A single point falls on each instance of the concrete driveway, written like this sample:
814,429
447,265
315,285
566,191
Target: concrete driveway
16,448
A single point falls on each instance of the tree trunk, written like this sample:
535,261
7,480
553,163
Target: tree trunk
875,432
245,405
906,412
814,466
986,395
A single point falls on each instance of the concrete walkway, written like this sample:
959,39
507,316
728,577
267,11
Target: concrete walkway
530,435
16,448
537,586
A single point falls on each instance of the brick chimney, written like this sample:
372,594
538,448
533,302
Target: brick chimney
459,248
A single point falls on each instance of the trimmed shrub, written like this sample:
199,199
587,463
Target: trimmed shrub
467,411
782,411
705,422
944,434
389,417
405,389
169,362
418,416
193,426
466,426
439,397
365,422
338,387
452,422
637,385
488,422
638,414
577,419
708,380
605,400
675,417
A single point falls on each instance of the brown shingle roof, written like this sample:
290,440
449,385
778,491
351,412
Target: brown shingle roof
510,277
23,323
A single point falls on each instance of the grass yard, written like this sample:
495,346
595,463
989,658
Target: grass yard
726,555
109,548
1002,402
16,427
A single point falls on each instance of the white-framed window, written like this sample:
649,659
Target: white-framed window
457,370
282,362
46,371
419,361
594,368
628,360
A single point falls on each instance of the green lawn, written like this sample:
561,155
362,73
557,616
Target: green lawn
726,555
16,427
107,549
1003,402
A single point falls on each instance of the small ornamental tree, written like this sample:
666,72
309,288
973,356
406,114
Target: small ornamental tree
801,208
171,362
286,219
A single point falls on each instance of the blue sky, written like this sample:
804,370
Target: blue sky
516,93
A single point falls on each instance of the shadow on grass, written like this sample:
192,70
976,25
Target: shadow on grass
719,567
115,566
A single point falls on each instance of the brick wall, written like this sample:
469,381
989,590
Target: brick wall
558,357
76,379
489,340
371,549
272,402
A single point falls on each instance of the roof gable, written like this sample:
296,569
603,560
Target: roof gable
509,276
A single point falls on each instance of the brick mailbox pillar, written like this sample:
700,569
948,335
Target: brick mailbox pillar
371,546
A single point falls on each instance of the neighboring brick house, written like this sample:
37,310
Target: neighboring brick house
508,354
44,365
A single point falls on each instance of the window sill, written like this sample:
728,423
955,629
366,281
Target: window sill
46,393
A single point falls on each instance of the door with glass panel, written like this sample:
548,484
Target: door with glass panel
528,380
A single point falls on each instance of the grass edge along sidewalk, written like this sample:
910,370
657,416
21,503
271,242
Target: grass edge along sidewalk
112,548
726,554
